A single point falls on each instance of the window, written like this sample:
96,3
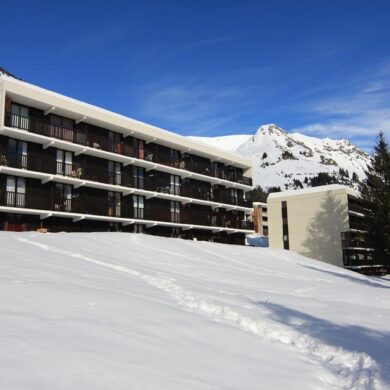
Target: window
114,204
61,127
175,211
138,228
20,116
115,173
138,206
16,191
138,177
175,185
286,241
174,157
176,232
63,197
234,195
139,148
64,163
114,142
17,153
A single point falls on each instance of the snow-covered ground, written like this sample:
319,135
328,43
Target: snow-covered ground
125,311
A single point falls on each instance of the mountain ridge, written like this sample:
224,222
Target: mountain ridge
289,160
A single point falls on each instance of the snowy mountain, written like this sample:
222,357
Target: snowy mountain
78,313
280,157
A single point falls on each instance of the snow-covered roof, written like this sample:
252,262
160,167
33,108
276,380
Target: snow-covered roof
262,204
313,190
6,73
29,94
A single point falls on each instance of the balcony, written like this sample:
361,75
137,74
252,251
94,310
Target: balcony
31,161
354,240
233,222
357,208
193,191
245,180
12,199
101,141
196,217
36,125
162,215
76,204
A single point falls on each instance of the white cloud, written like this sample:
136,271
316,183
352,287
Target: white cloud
358,112
198,107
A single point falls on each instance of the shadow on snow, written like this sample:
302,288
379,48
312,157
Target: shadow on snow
349,337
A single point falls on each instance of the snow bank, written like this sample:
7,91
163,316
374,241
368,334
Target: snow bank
121,311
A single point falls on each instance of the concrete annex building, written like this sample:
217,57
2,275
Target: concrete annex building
324,223
70,166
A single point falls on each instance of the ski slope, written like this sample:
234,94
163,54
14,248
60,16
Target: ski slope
126,311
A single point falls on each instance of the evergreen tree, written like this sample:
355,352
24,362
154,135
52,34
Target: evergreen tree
260,195
257,195
323,179
375,192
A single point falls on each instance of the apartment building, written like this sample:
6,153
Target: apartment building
69,166
325,223
260,218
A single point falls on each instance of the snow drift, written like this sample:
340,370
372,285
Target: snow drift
122,311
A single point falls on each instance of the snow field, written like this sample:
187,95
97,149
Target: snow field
214,316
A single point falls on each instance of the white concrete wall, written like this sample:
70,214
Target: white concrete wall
315,223
29,94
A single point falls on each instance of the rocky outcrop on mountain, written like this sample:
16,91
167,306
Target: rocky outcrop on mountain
291,160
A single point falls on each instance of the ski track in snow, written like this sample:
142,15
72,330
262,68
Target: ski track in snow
348,370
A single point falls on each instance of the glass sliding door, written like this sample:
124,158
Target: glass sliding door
68,163
114,173
63,197
175,211
138,177
114,204
17,153
16,191
175,185
19,117
138,206
64,163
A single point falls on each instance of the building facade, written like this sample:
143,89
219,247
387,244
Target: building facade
260,218
70,166
325,223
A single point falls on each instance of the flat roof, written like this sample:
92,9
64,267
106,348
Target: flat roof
313,190
29,94
262,204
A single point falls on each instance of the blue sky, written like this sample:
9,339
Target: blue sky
213,67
